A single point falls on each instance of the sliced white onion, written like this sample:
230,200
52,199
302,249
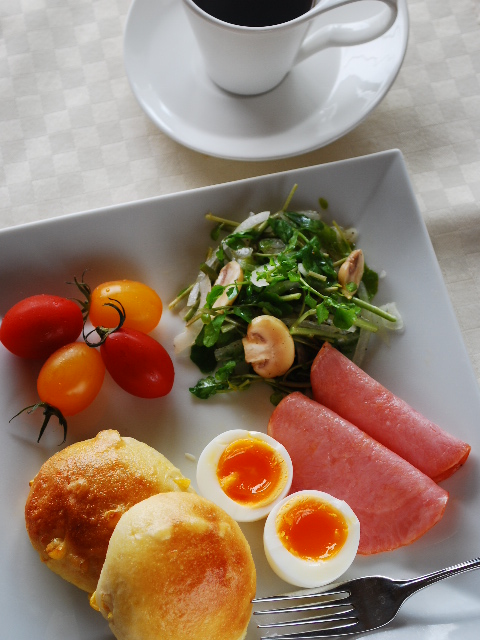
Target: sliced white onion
276,245
302,269
362,346
211,261
351,234
392,309
242,253
193,295
227,251
205,288
257,276
186,339
252,221
312,214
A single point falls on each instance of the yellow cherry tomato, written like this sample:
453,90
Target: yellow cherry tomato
143,307
71,378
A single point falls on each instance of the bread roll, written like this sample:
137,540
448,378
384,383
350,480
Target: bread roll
177,568
79,494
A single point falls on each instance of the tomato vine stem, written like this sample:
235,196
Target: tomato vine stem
104,332
48,412
86,291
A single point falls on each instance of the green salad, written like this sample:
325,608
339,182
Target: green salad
274,289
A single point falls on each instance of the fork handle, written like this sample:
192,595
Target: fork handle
411,586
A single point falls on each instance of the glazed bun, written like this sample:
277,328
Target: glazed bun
177,568
79,495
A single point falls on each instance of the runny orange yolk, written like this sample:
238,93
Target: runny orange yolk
251,472
311,529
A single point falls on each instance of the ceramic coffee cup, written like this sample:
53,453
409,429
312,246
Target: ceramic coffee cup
249,60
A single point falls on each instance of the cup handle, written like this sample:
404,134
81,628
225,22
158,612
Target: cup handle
344,34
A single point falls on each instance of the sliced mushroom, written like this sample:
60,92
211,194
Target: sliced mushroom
269,347
351,272
230,274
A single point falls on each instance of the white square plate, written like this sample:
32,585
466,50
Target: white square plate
161,241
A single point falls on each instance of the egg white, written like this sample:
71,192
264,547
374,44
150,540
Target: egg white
209,485
309,573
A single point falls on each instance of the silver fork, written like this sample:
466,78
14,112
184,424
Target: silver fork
348,608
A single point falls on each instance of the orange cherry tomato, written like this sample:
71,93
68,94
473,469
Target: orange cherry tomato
71,378
143,307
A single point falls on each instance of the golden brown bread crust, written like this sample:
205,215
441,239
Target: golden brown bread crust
79,494
177,568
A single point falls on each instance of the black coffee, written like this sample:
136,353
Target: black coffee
255,13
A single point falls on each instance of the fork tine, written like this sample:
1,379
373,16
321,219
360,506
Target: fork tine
320,602
331,632
336,617
338,613
303,595
306,607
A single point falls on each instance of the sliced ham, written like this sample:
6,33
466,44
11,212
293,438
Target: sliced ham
343,387
394,502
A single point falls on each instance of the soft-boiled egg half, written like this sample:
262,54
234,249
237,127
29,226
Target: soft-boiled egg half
311,538
244,472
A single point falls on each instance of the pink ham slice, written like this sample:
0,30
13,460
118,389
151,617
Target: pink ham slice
343,387
394,502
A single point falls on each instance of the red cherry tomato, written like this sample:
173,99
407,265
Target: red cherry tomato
71,378
37,326
143,307
138,363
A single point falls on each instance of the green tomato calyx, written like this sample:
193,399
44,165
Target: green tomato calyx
48,412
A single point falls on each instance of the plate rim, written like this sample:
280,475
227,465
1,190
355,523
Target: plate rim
385,162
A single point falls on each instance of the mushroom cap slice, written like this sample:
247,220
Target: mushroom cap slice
269,347
230,274
351,272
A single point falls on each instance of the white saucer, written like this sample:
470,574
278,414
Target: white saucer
321,99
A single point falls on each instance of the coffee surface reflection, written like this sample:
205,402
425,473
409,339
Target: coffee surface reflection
255,13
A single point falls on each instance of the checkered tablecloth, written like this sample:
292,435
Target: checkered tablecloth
73,137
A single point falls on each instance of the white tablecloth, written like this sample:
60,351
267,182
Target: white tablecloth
73,137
